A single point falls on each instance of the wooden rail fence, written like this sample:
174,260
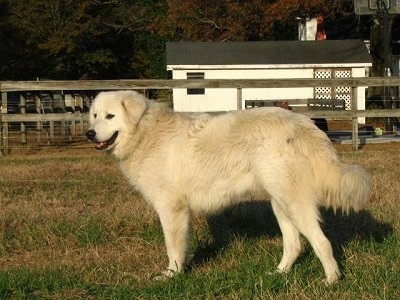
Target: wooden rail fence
239,84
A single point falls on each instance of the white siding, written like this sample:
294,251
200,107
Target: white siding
226,99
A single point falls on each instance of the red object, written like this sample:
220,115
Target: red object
320,35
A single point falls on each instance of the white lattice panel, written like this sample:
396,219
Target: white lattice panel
323,92
343,92
342,73
340,92
323,73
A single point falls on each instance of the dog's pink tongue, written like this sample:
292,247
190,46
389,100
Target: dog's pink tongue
100,146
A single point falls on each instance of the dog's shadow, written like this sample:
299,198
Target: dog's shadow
341,228
257,220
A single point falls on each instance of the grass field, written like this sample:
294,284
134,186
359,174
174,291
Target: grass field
72,228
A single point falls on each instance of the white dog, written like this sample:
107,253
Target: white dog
185,163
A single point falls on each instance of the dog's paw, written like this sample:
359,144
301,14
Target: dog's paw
275,272
165,275
331,279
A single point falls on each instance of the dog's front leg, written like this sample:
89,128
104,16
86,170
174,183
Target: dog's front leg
176,226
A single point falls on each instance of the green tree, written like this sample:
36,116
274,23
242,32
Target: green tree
72,39
135,19
16,60
52,29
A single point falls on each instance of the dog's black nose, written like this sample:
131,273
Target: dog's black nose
91,134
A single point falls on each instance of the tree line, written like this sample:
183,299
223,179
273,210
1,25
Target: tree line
116,39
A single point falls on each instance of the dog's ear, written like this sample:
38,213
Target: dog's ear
135,105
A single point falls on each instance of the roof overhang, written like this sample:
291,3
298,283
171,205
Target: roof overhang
265,67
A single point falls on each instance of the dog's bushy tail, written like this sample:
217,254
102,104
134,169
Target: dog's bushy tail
348,187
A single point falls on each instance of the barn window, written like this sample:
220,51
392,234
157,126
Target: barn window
195,91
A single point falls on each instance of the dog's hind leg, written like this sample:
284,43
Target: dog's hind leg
291,239
294,197
176,227
305,217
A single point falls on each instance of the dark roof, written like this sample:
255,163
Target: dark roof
268,52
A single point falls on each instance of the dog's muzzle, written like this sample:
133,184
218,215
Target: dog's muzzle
101,145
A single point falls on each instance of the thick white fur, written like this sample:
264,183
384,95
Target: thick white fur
197,163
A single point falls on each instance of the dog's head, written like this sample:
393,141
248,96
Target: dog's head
112,115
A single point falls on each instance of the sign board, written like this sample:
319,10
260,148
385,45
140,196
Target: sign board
373,7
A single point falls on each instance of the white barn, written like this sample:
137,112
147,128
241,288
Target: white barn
264,60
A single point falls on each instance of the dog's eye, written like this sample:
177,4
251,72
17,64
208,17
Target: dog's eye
95,116
110,116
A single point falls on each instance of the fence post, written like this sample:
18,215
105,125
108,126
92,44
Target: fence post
1,130
22,101
4,126
51,130
38,130
354,107
239,98
4,137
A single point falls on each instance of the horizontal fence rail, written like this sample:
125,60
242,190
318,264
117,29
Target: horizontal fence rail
48,85
151,84
43,117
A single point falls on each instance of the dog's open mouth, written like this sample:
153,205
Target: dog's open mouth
106,144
